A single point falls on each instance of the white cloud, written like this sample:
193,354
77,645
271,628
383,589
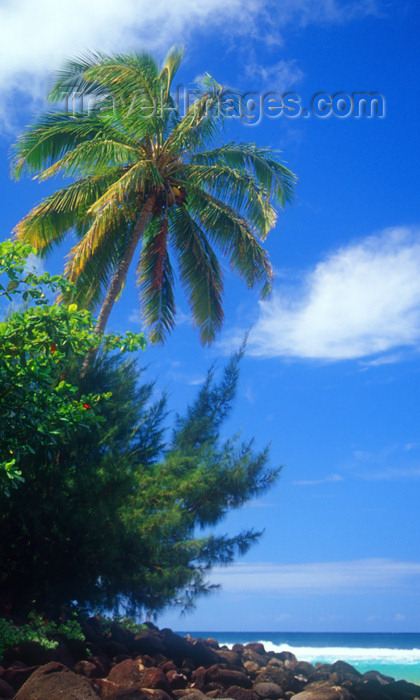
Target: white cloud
278,77
362,300
356,576
385,360
332,478
35,264
260,504
36,36
391,463
196,381
135,317
411,446
307,12
392,474
183,377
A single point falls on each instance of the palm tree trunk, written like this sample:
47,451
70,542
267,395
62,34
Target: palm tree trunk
119,278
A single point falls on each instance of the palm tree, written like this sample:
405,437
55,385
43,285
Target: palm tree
144,175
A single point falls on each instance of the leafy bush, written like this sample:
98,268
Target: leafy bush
38,630
40,343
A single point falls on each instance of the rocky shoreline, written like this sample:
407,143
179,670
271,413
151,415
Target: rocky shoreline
161,665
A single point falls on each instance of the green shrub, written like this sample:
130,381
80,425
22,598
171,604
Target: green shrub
38,629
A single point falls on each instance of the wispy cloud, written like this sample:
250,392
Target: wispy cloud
260,504
327,11
332,478
362,300
393,462
279,77
379,456
355,576
35,264
391,359
196,381
411,446
391,474
180,376
36,36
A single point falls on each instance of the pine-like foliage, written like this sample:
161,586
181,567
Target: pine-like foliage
114,519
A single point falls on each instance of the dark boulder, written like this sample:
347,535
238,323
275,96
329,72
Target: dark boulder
285,656
303,668
105,688
29,653
321,672
17,675
322,690
6,690
370,690
198,678
148,642
230,657
272,674
127,673
268,690
92,629
341,671
132,673
85,668
113,649
201,654
402,690
56,681
252,655
189,694
257,647
282,677
252,668
238,693
227,677
176,679
376,676
212,643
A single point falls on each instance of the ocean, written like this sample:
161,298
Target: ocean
394,654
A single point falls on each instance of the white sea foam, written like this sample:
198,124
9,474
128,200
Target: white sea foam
352,655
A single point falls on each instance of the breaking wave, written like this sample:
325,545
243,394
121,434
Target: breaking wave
352,655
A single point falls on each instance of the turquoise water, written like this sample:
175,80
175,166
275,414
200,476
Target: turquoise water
396,655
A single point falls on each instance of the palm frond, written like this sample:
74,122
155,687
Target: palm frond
71,79
112,216
92,157
136,181
55,135
124,76
155,279
273,176
237,241
170,67
202,121
238,187
94,277
47,224
200,273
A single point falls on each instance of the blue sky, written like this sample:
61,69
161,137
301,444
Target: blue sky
331,374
